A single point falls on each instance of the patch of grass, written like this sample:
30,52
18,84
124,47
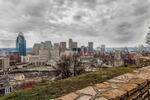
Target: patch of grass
53,90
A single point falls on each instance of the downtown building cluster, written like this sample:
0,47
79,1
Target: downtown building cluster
46,53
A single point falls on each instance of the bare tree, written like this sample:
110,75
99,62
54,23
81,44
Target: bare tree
69,65
128,57
78,66
94,63
111,58
144,52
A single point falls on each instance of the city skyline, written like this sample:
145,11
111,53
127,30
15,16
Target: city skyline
115,23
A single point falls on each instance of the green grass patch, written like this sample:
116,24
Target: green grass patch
62,87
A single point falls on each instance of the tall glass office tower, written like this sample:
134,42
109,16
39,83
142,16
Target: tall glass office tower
21,44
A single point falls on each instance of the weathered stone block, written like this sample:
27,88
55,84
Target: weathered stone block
136,71
121,77
145,95
146,98
117,81
85,97
144,89
130,88
148,72
71,96
101,98
101,86
144,76
115,94
88,90
140,98
134,96
102,90
129,75
106,83
141,82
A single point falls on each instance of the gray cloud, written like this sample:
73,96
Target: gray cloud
141,7
123,27
113,22
77,17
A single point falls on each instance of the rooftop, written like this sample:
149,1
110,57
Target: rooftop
5,83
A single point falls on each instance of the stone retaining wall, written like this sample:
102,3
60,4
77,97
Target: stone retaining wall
144,61
130,86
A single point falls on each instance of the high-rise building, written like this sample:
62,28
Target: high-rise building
56,45
48,46
43,53
73,45
62,46
54,53
99,48
90,46
4,63
36,48
102,48
21,44
70,41
14,58
98,51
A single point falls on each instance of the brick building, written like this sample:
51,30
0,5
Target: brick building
13,59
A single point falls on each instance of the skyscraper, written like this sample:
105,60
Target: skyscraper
73,45
90,46
56,45
48,46
43,53
21,44
102,48
70,41
36,48
62,46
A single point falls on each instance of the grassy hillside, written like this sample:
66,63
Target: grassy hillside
53,90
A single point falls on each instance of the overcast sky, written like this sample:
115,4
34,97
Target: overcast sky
111,22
